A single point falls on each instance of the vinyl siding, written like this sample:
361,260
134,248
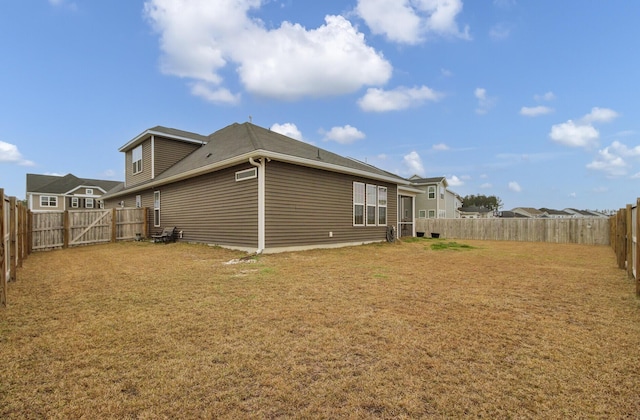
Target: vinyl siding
145,175
303,205
37,207
211,208
168,152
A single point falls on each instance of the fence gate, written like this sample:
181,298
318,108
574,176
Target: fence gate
89,226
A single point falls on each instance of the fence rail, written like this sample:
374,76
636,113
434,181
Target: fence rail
591,231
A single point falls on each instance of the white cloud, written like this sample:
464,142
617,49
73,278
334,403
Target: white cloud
440,147
499,32
64,3
486,185
413,163
412,21
200,39
485,102
287,129
454,181
573,195
582,133
549,96
514,186
613,159
9,153
380,100
574,135
446,72
535,111
344,135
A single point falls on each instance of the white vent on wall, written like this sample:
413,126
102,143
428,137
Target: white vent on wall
247,174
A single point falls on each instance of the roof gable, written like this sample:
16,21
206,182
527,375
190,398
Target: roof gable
52,184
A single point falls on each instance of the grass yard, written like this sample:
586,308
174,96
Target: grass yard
409,330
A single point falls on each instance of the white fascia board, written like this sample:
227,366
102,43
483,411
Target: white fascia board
85,186
408,190
262,154
140,138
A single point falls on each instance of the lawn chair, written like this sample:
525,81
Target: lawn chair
168,235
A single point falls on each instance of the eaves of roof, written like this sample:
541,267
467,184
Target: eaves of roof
171,133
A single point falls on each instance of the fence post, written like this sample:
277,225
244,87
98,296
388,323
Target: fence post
621,241
637,229
114,223
29,232
66,229
3,269
145,222
629,236
13,240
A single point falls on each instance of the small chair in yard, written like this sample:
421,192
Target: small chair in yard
168,235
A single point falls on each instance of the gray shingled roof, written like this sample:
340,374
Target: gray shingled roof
172,133
61,184
241,139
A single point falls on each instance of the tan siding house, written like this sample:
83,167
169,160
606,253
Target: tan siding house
59,193
249,188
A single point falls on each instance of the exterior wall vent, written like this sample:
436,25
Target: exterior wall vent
247,174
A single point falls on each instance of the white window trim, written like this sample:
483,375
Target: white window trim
422,214
432,214
371,202
88,203
382,203
138,201
136,163
359,200
49,199
431,189
89,191
156,208
75,202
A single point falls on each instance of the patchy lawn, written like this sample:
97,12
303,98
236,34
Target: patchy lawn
488,329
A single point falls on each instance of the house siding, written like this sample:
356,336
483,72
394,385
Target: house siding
211,208
168,152
304,204
35,202
145,175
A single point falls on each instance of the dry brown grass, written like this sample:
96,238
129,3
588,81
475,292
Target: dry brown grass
137,330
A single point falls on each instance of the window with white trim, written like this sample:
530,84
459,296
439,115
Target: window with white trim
138,201
136,159
89,191
358,204
432,214
88,203
371,204
156,208
247,174
48,201
441,192
442,214
75,202
431,192
382,206
422,214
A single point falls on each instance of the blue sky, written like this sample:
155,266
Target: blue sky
535,102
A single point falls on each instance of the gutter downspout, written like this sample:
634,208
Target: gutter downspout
261,202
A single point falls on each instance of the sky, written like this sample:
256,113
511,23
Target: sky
535,102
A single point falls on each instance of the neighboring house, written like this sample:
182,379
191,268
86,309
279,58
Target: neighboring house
528,212
249,188
475,212
59,193
436,201
584,213
555,214
506,214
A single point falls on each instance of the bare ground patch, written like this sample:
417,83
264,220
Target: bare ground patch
502,329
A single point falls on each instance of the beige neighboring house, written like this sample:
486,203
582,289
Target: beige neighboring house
437,201
68,192
528,212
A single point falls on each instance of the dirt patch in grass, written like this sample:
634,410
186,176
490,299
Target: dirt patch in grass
503,329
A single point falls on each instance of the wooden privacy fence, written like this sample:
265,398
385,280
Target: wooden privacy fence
14,241
625,225
82,227
591,231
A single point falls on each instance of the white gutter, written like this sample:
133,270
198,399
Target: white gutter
261,202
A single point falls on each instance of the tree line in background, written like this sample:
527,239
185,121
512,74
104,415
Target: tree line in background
490,202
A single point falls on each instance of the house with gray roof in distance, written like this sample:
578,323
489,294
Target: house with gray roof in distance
528,212
555,214
436,200
250,188
584,213
68,192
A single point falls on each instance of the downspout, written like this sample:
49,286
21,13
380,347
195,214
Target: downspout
261,202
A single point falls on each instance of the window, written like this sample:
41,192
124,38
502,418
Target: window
442,193
247,174
48,201
432,214
371,204
136,158
422,214
431,192
382,206
89,191
156,208
88,203
442,214
358,204
74,202
138,201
